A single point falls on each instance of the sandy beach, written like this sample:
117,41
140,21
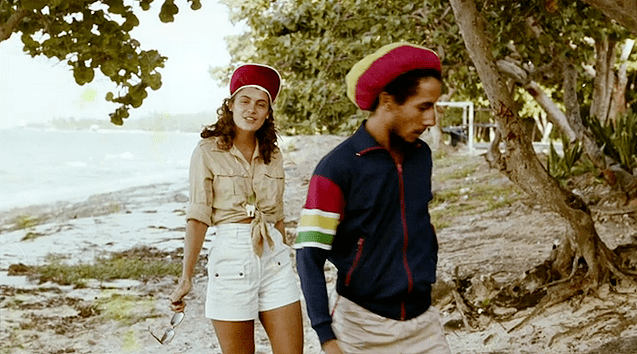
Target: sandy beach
115,316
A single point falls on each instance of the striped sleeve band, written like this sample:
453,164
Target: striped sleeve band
321,214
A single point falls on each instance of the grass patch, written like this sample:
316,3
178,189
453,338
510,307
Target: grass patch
472,198
126,309
26,221
127,265
442,159
31,236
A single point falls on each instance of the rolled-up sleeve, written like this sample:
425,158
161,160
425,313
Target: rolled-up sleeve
200,178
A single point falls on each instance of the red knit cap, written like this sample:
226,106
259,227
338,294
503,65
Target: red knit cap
262,77
367,78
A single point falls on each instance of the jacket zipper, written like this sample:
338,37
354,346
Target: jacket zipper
403,216
359,252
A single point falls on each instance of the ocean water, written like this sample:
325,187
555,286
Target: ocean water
45,166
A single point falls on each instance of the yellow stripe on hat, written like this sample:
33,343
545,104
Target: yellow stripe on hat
394,69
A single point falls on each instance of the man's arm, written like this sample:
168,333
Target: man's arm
310,262
319,219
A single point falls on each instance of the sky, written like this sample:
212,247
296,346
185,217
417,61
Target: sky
40,89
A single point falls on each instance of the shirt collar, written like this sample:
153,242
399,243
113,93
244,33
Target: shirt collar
363,142
234,151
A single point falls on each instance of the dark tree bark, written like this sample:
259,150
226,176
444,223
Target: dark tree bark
520,163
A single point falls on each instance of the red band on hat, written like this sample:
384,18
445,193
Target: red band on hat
263,77
372,74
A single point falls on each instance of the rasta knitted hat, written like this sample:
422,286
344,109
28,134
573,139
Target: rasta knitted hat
367,78
262,77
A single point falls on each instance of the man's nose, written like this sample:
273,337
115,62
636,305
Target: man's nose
429,119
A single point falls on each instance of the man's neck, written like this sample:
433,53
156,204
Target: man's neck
381,132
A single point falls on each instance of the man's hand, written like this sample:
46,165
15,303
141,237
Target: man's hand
331,347
177,303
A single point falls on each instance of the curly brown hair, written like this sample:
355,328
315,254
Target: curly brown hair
224,129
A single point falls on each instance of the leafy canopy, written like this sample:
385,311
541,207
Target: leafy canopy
315,43
92,35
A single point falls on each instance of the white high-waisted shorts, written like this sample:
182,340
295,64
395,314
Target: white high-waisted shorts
242,284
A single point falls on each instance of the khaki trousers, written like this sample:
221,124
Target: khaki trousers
359,330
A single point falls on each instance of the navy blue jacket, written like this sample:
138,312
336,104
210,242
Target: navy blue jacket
369,217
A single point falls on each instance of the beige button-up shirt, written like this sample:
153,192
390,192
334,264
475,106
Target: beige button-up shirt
222,183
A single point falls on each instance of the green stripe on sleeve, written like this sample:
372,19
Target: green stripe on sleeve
314,236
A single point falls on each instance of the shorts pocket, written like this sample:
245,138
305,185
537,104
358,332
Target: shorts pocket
283,257
229,270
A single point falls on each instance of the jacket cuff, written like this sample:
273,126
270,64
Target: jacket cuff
324,332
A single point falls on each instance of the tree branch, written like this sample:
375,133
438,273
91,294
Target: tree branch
555,114
6,29
622,11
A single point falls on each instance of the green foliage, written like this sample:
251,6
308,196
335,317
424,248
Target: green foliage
92,35
103,269
315,43
571,163
618,139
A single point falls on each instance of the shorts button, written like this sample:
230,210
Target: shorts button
240,274
217,275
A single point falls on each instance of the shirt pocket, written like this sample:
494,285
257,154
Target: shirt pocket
270,187
229,189
229,182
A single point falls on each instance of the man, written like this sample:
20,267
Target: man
366,211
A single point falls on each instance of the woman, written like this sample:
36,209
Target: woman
236,184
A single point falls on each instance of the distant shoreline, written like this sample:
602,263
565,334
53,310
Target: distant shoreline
191,123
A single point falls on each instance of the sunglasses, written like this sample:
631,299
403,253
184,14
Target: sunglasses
169,333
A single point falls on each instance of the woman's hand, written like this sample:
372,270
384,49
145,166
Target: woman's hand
177,302
331,347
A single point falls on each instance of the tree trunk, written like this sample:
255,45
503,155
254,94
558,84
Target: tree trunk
604,77
519,159
618,99
569,123
575,119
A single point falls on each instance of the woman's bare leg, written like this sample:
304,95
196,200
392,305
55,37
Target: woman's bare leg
235,337
284,326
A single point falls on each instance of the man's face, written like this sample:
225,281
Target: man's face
250,108
414,116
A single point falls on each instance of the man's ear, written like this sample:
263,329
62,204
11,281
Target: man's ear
386,101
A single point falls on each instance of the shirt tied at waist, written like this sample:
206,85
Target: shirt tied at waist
260,232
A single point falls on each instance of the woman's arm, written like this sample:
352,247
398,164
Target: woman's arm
195,235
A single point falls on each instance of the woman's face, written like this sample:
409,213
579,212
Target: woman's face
250,108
